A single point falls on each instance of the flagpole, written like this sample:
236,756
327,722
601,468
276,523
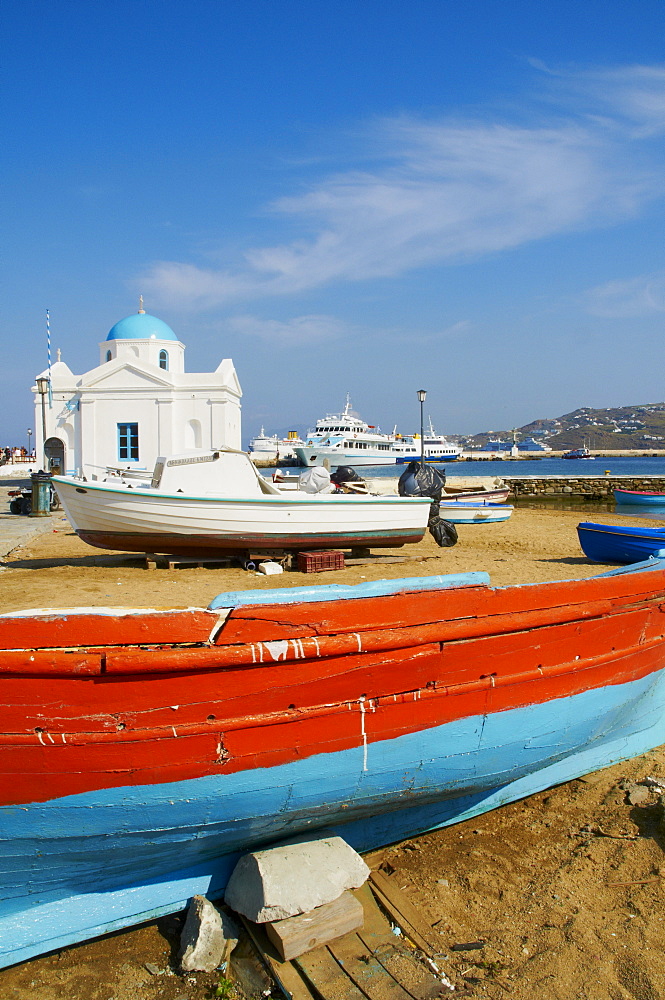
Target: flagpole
48,349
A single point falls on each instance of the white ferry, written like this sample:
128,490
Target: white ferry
270,448
437,448
345,439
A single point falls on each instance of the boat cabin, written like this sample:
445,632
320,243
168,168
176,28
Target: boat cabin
210,473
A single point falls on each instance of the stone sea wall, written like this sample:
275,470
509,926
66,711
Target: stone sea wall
591,487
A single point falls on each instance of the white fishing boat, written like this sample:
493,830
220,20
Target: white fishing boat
199,503
346,439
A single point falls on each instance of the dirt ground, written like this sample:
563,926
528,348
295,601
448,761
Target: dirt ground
565,890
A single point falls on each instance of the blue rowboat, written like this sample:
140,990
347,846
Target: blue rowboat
608,543
641,497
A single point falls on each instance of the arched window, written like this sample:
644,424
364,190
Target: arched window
164,360
108,355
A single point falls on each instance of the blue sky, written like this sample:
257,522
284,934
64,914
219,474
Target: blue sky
369,196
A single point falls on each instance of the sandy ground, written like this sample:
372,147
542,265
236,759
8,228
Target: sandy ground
58,570
565,889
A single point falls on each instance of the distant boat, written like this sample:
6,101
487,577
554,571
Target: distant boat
436,448
642,497
579,453
608,543
270,448
143,751
346,439
495,494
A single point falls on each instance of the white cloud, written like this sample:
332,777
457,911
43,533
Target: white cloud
634,95
641,296
299,330
444,191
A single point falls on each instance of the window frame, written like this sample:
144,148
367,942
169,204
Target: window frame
128,441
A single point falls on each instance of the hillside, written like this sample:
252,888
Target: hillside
639,427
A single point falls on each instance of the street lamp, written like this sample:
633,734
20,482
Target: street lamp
422,395
42,389
29,444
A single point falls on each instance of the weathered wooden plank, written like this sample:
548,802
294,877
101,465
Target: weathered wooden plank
268,622
354,642
121,659
294,936
296,686
88,627
367,973
391,951
405,913
122,750
287,977
327,978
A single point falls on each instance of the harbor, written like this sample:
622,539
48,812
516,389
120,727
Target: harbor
332,502
542,886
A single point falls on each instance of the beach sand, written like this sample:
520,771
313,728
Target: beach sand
565,888
57,569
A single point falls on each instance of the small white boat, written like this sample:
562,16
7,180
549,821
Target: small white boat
474,512
497,495
199,503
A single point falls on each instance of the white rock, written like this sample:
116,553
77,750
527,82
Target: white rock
208,937
294,877
270,568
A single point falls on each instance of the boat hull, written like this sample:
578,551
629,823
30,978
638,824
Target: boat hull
141,520
499,495
202,545
607,543
213,829
134,774
311,455
435,459
474,512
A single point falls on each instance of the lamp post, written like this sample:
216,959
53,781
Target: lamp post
29,442
422,395
42,389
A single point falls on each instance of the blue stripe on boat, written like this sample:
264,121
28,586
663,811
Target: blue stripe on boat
342,591
377,588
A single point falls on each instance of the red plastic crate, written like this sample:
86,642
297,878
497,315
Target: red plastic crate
318,562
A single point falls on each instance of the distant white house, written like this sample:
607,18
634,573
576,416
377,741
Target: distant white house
137,404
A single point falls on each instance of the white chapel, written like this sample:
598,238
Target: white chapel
137,404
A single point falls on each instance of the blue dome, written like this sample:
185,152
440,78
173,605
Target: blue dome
141,326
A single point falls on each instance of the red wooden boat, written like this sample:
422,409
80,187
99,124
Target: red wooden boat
142,750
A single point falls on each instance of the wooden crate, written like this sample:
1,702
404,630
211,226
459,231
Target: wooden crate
319,562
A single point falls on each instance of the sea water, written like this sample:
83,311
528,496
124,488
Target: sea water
633,466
